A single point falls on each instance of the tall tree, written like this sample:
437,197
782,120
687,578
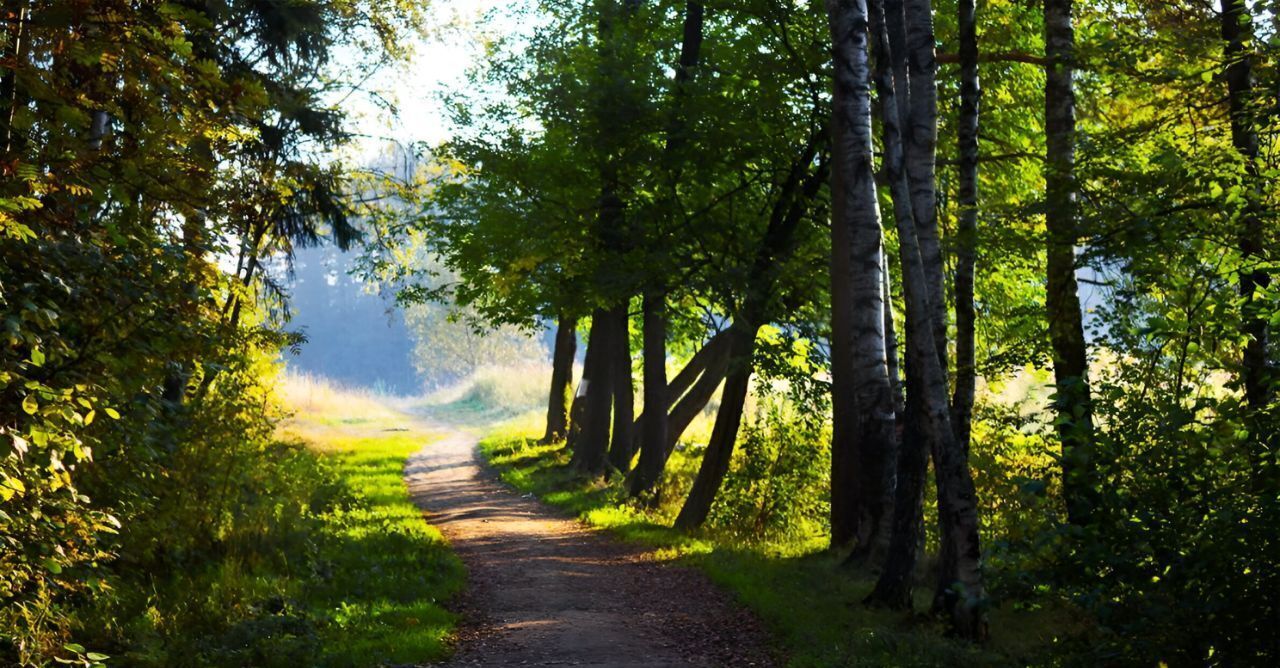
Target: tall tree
863,419
967,229
1072,402
1258,376
961,589
562,358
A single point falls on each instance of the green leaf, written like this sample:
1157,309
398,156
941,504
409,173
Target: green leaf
88,417
74,647
54,567
112,413
29,404
37,357
96,656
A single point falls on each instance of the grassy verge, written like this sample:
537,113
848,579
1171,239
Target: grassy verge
323,561
797,589
389,572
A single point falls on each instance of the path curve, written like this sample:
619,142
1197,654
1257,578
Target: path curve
546,591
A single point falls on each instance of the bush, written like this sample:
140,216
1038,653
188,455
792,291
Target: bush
777,488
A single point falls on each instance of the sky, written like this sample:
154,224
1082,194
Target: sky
453,42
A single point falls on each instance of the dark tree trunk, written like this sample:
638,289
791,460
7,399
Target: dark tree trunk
653,425
592,443
966,244
778,244
577,413
715,462
17,13
698,396
693,370
967,231
1256,375
861,390
621,446
1066,327
561,378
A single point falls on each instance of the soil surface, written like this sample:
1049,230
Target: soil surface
546,591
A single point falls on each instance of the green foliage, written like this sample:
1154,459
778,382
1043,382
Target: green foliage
777,489
145,147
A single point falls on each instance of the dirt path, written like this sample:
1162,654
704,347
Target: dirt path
545,591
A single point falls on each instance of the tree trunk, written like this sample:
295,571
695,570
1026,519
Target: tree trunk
693,369
927,395
1256,374
920,150
17,13
566,348
653,425
862,395
592,443
802,184
621,449
967,232
1066,326
715,462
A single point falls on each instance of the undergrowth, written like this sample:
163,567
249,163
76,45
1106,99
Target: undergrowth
325,561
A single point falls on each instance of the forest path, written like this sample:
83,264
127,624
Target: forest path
546,591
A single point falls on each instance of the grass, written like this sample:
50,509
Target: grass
810,602
389,571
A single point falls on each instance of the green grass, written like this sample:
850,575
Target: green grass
801,592
390,571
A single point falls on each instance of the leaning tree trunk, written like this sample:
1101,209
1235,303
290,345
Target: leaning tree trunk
1066,327
653,424
1256,376
715,462
561,378
621,448
801,186
691,372
596,388
862,396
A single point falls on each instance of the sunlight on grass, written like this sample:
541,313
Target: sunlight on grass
388,571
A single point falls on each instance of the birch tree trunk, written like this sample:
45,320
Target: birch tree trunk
961,579
920,158
1062,301
566,348
862,399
